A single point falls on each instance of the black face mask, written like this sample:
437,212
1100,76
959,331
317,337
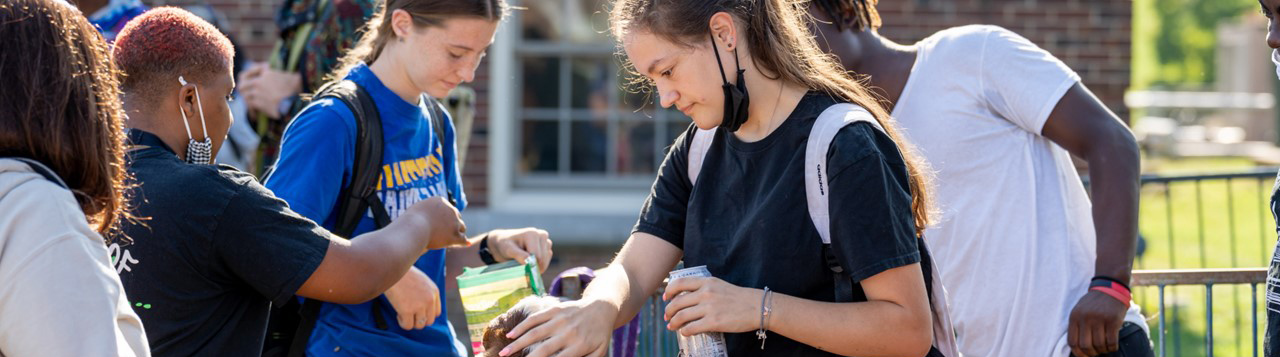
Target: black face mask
735,96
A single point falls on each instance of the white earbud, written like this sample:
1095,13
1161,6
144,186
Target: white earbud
181,80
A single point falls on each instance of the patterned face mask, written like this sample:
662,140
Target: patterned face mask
198,152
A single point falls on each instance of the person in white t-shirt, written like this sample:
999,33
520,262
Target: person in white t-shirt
1032,268
62,184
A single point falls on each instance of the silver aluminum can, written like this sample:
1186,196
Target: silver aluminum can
709,344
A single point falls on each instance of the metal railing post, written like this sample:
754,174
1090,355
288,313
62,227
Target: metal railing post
1208,304
1163,335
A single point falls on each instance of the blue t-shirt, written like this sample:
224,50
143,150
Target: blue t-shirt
315,163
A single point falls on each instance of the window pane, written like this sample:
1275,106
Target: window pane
679,117
540,150
587,152
576,21
541,87
636,99
676,125
598,14
536,20
591,82
636,147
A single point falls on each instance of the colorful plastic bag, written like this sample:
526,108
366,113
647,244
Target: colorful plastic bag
491,290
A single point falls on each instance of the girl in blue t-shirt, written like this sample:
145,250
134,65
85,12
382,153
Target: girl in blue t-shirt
412,50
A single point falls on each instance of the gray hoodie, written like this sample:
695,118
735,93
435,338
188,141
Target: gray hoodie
59,293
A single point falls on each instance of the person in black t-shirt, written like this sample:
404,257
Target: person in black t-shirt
745,216
216,249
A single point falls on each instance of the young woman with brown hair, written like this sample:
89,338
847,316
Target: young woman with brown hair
61,188
749,71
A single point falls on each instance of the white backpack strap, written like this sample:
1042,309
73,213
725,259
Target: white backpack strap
817,189
944,334
698,151
815,160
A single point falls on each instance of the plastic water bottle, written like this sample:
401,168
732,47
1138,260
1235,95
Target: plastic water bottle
709,344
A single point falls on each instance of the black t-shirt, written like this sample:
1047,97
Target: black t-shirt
746,219
214,250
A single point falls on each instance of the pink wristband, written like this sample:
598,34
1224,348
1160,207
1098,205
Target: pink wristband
1115,291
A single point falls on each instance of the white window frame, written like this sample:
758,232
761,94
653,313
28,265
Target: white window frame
504,196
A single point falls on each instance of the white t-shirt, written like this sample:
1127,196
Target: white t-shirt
1015,240
60,295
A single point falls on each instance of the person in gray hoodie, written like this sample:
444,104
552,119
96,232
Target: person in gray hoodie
61,188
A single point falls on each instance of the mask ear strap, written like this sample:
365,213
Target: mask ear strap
718,62
200,107
738,62
184,114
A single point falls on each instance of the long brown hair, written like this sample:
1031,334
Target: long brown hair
781,44
60,100
426,13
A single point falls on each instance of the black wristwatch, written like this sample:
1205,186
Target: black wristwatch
485,255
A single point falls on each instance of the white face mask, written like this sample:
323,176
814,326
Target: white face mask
198,152
1275,58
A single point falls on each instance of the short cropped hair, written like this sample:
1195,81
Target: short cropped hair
157,47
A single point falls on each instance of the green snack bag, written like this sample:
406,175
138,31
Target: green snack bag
490,291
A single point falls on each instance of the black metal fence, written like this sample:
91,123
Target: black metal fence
1224,215
1207,240
1163,280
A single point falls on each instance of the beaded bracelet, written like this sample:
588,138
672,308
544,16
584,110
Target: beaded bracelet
766,309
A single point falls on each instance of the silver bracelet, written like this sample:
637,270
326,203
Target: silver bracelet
765,310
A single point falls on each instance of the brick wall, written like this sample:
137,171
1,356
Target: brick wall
475,171
252,22
1091,36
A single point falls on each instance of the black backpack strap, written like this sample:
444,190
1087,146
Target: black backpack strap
843,282
308,314
437,125
359,195
354,199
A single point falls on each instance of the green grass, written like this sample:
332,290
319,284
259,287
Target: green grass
1213,226
1195,165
